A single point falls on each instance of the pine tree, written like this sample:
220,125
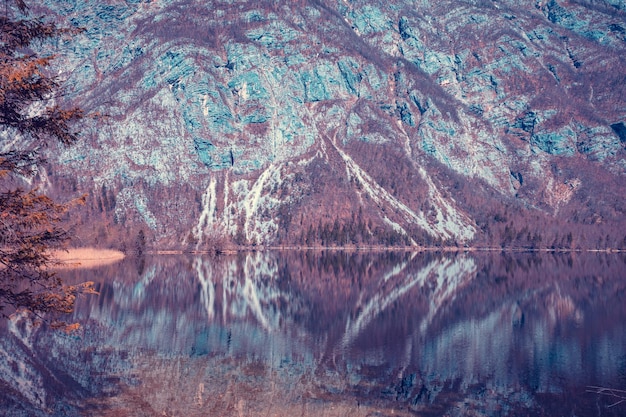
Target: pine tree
31,223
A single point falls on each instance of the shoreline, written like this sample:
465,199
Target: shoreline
90,257
423,249
87,257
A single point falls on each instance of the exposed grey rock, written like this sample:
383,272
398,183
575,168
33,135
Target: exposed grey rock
249,97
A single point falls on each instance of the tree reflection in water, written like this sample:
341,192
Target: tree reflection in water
330,333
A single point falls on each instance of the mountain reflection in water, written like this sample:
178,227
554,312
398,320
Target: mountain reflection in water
330,333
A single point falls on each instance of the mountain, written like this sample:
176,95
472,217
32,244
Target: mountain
487,123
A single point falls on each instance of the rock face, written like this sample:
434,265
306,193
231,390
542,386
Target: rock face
332,122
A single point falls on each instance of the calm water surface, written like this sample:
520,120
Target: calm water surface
330,334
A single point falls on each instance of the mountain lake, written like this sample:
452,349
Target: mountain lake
330,333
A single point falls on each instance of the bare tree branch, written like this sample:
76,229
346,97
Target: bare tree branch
618,394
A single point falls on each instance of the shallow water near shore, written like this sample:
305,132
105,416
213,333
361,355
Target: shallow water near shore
330,334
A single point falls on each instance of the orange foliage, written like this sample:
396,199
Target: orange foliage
31,223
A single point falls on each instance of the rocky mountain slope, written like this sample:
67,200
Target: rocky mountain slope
336,122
